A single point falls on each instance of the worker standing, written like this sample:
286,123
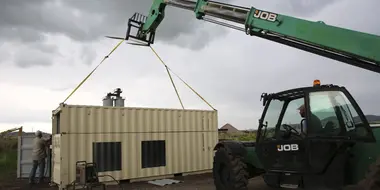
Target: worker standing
38,155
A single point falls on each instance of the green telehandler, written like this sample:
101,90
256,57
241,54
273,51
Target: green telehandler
329,143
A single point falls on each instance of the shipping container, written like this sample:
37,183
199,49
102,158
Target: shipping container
132,143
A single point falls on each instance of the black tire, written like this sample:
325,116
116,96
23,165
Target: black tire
269,183
229,171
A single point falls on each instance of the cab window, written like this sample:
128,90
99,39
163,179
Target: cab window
353,124
323,114
336,113
292,116
271,119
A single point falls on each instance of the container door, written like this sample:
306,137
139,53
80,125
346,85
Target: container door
56,159
335,122
24,161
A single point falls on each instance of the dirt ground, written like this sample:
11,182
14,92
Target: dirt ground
194,182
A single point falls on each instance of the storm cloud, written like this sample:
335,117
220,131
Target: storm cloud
85,20
88,21
227,67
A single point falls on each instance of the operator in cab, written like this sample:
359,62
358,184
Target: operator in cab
314,119
39,155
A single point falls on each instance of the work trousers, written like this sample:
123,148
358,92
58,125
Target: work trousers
41,165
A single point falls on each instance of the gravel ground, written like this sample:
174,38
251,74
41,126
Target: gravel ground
193,182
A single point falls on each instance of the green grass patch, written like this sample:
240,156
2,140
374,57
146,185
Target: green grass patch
8,157
8,160
239,136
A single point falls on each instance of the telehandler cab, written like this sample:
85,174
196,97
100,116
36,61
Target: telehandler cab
307,138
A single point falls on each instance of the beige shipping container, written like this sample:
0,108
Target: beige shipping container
132,143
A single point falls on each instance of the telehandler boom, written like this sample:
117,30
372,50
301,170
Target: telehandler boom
351,47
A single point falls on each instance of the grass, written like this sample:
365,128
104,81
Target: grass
8,156
239,136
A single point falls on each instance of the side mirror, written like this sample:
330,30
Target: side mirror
302,121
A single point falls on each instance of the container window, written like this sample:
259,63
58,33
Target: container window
153,154
107,156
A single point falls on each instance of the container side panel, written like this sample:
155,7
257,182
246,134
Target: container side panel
91,119
142,154
56,159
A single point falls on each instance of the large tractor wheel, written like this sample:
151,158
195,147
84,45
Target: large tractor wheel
229,171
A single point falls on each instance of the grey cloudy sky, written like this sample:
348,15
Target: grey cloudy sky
47,47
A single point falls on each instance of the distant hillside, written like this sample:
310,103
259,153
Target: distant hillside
325,115
373,118
370,118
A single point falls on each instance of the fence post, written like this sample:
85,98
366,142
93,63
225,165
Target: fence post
19,154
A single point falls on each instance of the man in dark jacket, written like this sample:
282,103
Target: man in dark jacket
316,123
38,156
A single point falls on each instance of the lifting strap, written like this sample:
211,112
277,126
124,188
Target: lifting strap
175,88
159,58
84,80
167,69
170,76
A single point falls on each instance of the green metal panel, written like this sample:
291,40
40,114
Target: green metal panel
364,154
252,159
199,13
155,16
